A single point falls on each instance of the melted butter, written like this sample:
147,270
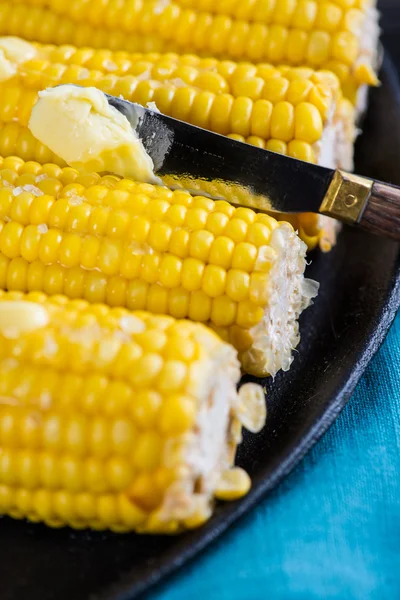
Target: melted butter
80,126
18,317
13,51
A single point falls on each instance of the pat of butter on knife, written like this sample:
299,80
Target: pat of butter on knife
80,126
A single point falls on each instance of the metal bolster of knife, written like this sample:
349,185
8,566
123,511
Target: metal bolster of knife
347,197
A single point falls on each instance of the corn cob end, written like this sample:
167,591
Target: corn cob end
289,293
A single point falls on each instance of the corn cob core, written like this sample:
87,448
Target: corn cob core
111,419
294,111
145,247
338,35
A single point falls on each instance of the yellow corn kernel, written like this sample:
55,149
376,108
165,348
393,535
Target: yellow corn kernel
248,313
177,415
305,15
299,91
319,48
251,87
214,279
241,115
237,137
321,98
223,311
252,407
277,146
308,122
237,285
236,230
329,16
244,257
199,306
200,244
301,151
221,252
234,484
275,89
192,274
345,47
364,74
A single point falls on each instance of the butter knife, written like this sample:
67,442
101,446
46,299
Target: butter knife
203,162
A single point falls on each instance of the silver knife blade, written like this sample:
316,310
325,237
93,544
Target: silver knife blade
188,157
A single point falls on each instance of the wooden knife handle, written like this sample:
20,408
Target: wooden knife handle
382,212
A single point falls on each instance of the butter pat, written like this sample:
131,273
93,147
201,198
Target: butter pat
18,318
13,51
80,126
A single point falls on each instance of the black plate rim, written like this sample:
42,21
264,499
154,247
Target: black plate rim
200,539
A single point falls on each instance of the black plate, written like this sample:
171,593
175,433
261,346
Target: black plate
360,294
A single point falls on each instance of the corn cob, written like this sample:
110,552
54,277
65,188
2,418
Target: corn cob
283,109
340,35
298,112
111,419
145,247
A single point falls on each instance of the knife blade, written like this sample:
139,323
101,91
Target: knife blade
203,162
198,160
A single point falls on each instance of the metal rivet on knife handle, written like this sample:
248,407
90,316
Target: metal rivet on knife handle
347,197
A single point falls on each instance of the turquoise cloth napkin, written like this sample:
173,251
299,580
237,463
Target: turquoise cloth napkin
332,529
